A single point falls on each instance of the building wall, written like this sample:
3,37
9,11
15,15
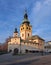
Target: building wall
23,47
48,47
33,45
38,43
49,42
25,30
14,41
12,47
1,48
15,35
30,46
22,34
4,47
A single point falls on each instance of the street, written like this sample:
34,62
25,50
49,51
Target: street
26,59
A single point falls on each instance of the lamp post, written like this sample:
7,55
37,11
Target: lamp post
42,52
20,46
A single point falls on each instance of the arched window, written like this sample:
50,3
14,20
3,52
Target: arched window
28,34
34,41
21,28
22,35
27,27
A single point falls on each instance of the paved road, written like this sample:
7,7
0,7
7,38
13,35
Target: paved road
27,59
10,57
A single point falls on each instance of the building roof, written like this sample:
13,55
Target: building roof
9,39
27,41
48,41
15,30
35,37
49,46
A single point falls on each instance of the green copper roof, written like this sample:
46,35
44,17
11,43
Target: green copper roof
15,30
25,20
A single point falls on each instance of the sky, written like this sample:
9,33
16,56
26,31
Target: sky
12,14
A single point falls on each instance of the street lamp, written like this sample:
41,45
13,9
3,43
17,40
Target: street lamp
20,46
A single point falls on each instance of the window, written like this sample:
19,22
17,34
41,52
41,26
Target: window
28,34
27,27
34,41
22,35
24,43
15,39
16,34
21,28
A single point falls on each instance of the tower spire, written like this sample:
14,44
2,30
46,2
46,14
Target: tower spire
15,30
25,14
25,20
15,34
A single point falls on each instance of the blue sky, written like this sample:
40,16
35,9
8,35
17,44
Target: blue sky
12,12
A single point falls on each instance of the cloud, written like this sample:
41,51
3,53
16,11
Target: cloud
41,18
37,7
47,2
12,11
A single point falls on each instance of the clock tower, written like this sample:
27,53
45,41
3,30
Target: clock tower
25,28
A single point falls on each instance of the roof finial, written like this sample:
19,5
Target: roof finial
25,15
25,10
